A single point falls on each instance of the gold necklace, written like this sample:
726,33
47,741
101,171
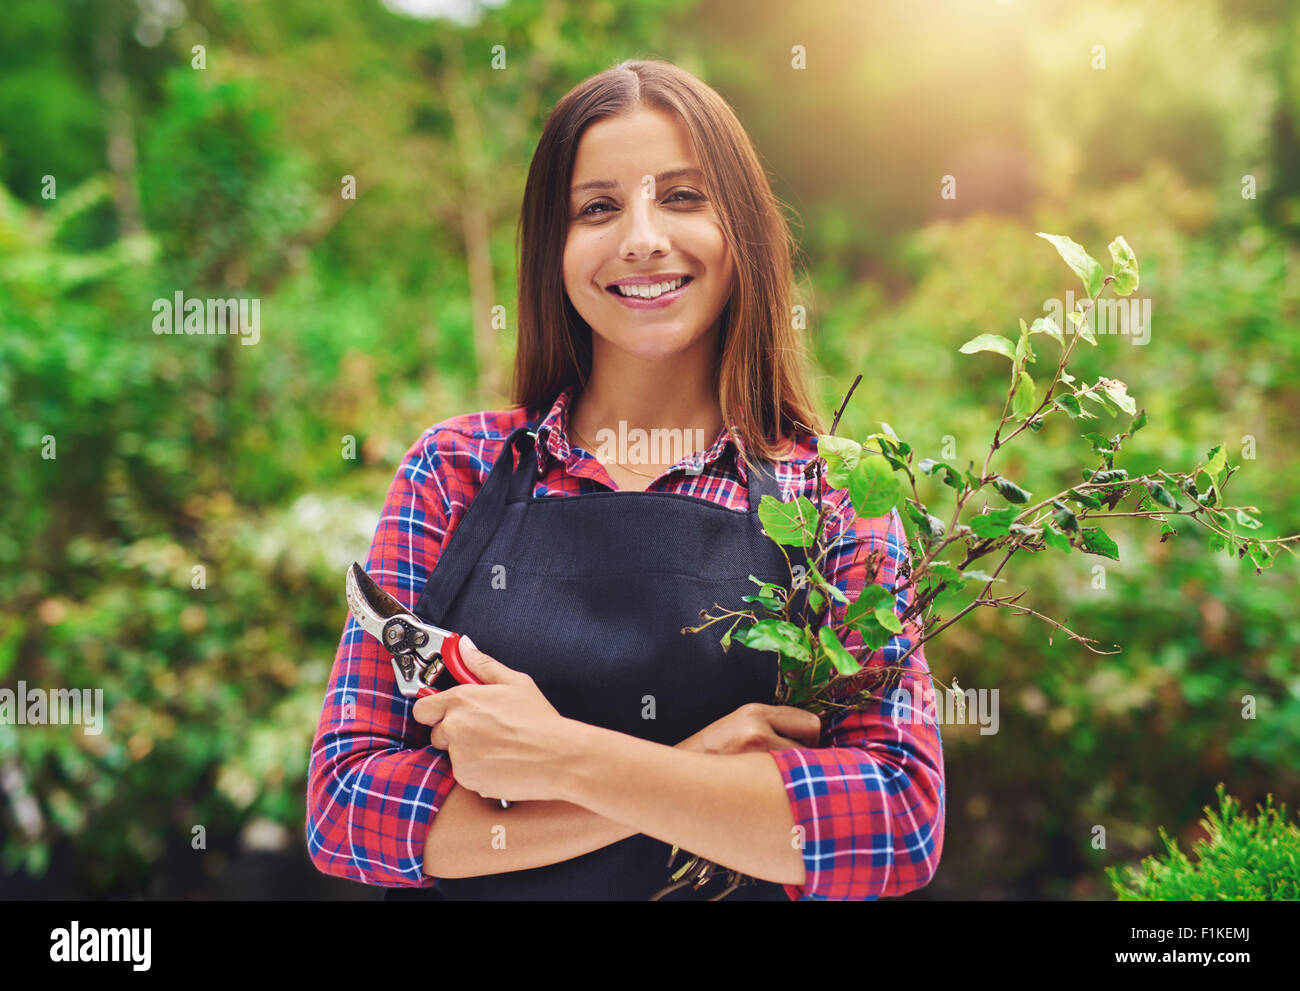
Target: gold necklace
620,464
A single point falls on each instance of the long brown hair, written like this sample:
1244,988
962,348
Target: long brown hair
761,371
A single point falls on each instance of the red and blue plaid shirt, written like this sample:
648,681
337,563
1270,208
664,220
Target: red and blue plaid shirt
871,804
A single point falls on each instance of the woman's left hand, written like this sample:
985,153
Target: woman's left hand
505,740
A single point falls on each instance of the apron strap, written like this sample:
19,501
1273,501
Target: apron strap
466,545
524,477
762,481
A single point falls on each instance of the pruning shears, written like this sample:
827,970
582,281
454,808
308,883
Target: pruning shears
420,651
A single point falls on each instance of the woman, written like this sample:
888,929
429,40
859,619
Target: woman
615,735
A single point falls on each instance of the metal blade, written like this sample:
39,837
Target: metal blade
380,602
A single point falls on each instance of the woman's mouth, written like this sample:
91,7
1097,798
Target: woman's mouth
651,297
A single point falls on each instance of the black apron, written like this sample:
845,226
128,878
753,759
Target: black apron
597,588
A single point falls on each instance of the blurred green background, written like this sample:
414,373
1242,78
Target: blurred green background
226,180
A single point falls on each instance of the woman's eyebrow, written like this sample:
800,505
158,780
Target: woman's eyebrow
668,176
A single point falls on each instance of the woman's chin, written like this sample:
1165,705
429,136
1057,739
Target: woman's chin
652,345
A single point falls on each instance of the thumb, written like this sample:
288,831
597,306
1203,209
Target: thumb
488,668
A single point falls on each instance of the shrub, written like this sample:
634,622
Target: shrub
1244,859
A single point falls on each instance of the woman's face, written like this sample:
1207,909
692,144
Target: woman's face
643,221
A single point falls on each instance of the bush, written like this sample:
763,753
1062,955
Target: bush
1245,859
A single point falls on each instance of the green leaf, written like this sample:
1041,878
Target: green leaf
1100,444
779,635
1010,491
1053,537
873,487
1138,423
766,588
1125,268
770,604
1080,321
866,603
916,513
989,342
820,581
842,456
874,635
1024,350
951,477
816,602
888,452
1162,495
1260,554
1216,464
1103,400
1247,521
1095,541
1023,402
1117,392
845,663
887,618
791,524
995,523
1048,326
947,572
1084,265
1085,499
1109,475
1069,404
1065,519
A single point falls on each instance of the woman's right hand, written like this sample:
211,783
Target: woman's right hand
756,728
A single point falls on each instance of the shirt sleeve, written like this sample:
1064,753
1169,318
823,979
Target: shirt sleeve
870,806
374,783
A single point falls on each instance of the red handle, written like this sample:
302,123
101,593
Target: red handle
454,663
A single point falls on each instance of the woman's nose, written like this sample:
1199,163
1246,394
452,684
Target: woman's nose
644,231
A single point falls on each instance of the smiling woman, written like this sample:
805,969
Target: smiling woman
654,295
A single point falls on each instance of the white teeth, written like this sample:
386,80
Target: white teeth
650,292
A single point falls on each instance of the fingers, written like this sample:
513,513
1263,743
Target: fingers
785,743
797,723
430,709
438,739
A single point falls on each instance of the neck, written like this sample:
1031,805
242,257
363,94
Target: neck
634,397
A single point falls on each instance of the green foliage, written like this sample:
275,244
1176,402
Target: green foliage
807,678
1244,859
169,456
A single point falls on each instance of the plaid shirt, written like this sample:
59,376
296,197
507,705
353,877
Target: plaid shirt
870,805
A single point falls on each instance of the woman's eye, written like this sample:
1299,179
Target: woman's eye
591,211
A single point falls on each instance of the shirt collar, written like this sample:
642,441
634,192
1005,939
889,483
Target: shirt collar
553,438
